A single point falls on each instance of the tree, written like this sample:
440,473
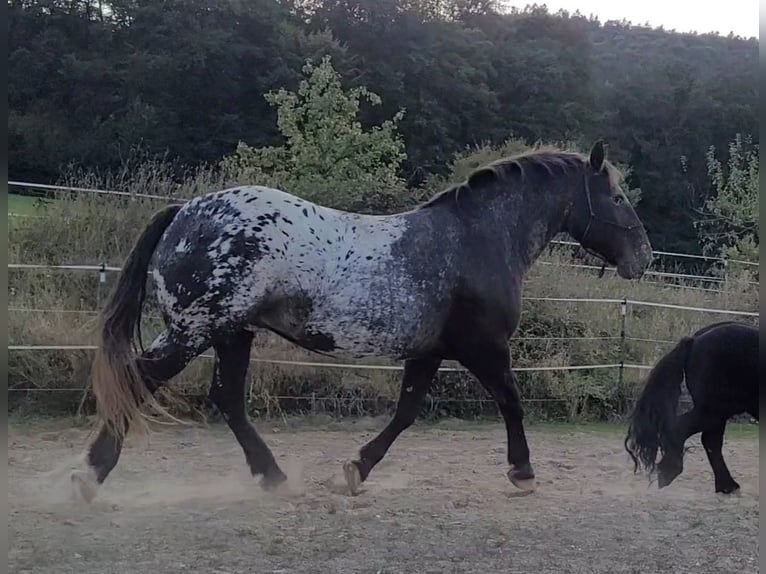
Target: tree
184,80
327,155
730,226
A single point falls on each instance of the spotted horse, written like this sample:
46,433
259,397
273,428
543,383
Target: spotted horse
441,281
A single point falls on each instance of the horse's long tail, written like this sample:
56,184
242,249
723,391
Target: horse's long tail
117,385
651,424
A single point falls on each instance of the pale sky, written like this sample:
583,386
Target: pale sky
738,16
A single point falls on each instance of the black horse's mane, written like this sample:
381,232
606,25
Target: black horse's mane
527,166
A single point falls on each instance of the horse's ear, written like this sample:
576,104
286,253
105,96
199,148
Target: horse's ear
598,155
481,177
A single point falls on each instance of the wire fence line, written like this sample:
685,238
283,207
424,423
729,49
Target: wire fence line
93,312
677,254
65,188
623,301
323,365
328,365
649,273
348,366
68,267
51,187
104,268
433,401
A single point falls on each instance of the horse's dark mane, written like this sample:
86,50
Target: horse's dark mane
550,160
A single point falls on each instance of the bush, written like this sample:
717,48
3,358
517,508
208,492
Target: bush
327,157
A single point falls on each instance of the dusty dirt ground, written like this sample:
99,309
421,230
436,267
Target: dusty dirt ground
439,502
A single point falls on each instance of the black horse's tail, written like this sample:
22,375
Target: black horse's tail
117,385
651,424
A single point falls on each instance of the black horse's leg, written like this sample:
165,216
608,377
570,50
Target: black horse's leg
232,357
418,374
712,440
167,357
672,462
492,367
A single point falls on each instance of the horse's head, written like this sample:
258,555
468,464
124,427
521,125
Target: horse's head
603,221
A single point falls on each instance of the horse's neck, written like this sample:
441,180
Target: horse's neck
535,216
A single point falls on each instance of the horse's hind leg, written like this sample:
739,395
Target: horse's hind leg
418,374
232,356
712,440
167,356
672,462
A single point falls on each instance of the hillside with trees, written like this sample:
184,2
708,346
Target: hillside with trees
92,83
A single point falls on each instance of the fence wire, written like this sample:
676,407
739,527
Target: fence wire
649,273
170,198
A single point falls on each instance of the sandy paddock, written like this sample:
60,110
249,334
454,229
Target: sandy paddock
439,502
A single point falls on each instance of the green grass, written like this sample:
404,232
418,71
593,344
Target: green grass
24,204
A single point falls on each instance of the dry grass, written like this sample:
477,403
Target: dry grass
87,229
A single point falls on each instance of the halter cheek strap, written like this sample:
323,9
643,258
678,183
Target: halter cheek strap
593,217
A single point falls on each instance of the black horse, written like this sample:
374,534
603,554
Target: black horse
720,364
441,281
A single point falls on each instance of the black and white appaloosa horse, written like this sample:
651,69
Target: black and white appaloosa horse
441,281
720,365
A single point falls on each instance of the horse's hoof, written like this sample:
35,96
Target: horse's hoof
664,480
353,477
273,481
729,489
526,485
522,480
84,485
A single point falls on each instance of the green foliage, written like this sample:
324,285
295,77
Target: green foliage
731,229
327,157
90,81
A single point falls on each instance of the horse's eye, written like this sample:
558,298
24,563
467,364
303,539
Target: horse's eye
618,200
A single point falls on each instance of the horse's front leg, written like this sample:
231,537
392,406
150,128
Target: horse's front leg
491,364
418,375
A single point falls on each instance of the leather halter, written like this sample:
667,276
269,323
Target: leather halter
592,216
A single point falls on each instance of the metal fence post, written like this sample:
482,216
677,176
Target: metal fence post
623,325
101,281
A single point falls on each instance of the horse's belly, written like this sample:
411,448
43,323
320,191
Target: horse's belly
362,336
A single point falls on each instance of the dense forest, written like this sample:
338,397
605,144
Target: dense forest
90,81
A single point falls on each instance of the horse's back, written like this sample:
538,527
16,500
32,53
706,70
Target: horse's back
722,368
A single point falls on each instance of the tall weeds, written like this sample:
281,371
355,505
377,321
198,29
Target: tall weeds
49,307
